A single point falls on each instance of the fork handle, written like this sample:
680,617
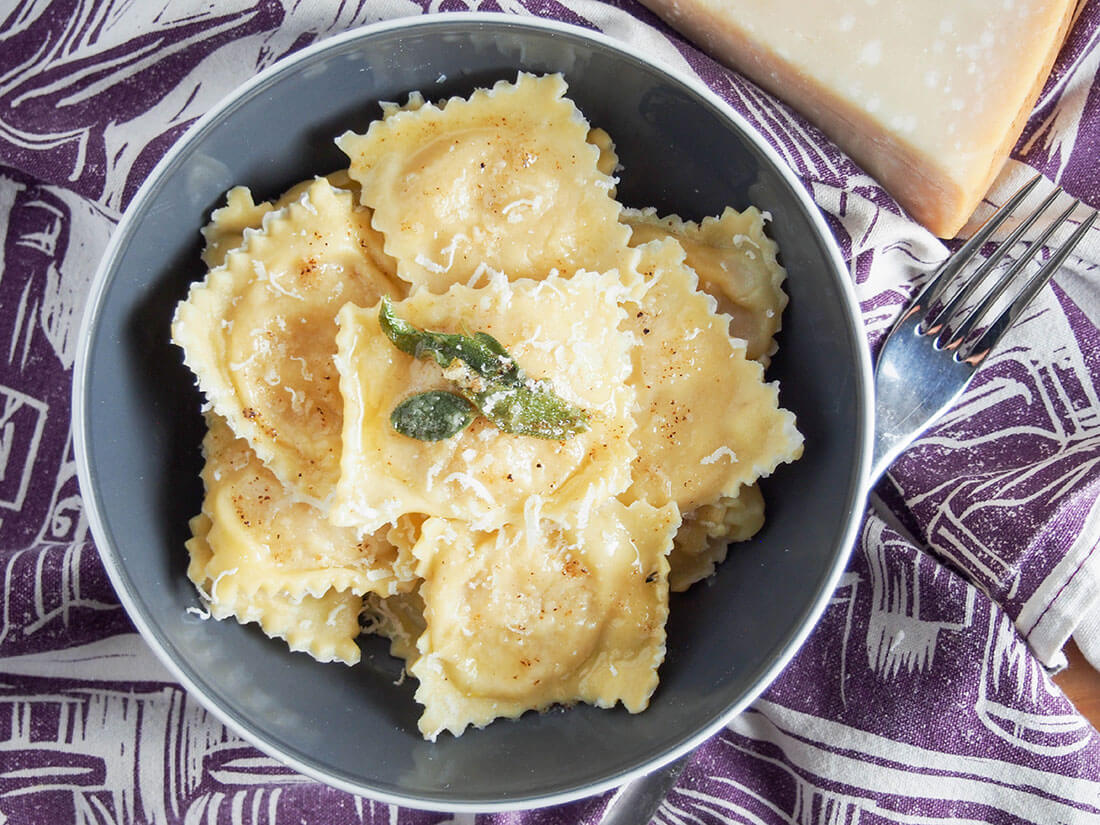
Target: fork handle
636,802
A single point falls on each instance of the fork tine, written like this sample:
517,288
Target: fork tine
1007,279
943,341
1006,319
933,290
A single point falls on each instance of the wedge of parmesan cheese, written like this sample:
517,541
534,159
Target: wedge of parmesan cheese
928,96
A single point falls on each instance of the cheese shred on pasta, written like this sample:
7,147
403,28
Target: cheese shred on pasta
510,572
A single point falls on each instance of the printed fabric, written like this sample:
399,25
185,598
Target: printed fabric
924,694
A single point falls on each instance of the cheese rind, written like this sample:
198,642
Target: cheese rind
928,97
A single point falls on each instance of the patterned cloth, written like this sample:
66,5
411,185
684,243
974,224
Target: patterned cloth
922,697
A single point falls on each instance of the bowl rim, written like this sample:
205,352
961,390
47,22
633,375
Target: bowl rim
104,276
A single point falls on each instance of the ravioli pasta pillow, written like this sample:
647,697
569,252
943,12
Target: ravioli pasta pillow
227,226
259,332
704,537
707,422
225,231
323,626
505,180
261,538
536,614
564,331
736,262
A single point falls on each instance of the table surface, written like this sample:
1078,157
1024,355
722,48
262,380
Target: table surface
1081,683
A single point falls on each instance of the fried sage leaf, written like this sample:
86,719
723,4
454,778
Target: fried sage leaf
432,416
481,352
489,378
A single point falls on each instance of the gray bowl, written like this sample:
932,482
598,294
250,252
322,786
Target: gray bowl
138,425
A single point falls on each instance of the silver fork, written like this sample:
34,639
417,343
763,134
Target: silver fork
925,363
934,348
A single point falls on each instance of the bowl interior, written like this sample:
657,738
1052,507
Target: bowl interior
355,726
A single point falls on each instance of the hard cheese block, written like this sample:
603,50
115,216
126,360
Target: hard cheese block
928,96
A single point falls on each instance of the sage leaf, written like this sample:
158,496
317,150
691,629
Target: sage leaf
489,378
432,416
531,409
482,353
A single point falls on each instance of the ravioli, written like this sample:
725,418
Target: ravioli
703,539
504,180
262,540
707,422
323,626
736,262
259,332
228,224
561,330
535,614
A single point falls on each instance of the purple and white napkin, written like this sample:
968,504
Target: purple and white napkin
922,697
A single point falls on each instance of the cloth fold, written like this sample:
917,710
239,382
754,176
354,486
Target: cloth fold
922,696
